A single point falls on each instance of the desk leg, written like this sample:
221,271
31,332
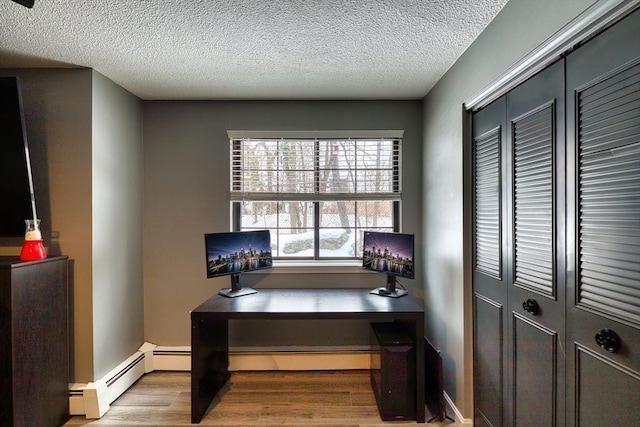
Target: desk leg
419,340
209,362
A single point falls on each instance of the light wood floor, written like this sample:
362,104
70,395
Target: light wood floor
273,398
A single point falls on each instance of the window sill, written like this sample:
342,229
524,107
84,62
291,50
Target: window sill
311,267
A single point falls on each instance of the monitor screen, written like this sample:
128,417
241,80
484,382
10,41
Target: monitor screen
237,252
390,253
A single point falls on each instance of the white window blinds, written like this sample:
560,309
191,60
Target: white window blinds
315,169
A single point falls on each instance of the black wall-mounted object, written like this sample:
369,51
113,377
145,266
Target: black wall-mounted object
14,176
434,383
27,3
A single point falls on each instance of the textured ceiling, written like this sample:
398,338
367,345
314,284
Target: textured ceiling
249,49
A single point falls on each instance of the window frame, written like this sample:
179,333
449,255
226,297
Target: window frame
315,198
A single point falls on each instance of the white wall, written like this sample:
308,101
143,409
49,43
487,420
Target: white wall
517,29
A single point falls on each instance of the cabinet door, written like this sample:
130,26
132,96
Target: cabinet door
603,302
536,218
489,268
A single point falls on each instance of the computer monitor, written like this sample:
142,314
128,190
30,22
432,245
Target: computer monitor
233,253
391,254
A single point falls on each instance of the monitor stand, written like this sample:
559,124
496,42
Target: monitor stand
390,289
236,289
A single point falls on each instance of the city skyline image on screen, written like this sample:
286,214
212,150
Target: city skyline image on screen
390,253
237,252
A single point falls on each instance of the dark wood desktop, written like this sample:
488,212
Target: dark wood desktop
210,330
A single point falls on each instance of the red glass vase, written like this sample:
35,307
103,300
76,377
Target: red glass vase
33,250
32,247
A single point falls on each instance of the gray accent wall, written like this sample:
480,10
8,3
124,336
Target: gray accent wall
520,27
186,156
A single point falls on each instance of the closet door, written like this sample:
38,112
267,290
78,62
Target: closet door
536,218
519,286
603,301
489,267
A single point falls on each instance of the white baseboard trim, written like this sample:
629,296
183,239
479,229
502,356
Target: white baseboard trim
171,359
299,361
94,399
459,419
179,359
76,399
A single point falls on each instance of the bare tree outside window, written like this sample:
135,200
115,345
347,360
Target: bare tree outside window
316,196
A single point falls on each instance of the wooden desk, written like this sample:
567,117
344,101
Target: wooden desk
210,330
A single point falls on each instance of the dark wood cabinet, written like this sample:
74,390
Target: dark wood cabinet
34,337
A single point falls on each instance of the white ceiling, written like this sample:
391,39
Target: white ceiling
249,49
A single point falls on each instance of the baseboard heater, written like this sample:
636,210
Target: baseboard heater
94,399
433,383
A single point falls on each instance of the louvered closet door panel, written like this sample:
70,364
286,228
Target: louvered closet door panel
487,208
603,84
490,290
609,196
536,218
533,137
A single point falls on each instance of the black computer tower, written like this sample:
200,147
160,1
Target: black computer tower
393,376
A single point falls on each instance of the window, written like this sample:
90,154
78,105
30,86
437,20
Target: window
316,195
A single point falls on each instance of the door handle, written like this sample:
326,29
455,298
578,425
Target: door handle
608,340
531,306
